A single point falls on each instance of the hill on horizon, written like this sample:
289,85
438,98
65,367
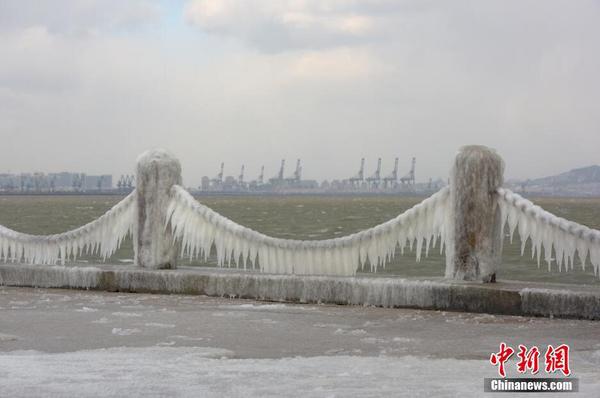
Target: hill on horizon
583,175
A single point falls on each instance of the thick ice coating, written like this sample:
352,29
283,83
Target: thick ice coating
549,232
102,236
198,228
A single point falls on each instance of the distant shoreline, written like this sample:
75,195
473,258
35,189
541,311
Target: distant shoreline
225,193
67,193
285,194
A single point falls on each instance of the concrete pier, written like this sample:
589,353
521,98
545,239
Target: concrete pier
474,248
504,297
154,247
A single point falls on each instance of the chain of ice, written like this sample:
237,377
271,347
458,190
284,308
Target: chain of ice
198,229
102,236
547,231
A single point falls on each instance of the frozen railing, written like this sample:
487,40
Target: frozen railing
102,236
547,231
199,228
468,218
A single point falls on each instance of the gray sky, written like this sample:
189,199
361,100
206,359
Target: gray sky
88,85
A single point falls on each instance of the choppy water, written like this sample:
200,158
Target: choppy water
304,217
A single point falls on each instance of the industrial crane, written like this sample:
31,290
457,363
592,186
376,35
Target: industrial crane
281,170
297,173
241,177
126,182
279,178
356,180
261,177
375,179
410,177
392,179
219,178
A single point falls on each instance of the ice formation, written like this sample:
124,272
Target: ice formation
102,236
198,228
548,231
156,172
475,239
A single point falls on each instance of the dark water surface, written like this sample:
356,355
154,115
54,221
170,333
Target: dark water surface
305,217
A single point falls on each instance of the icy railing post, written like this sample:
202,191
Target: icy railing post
157,172
474,241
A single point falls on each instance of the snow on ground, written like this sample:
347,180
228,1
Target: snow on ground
212,372
206,372
7,337
61,343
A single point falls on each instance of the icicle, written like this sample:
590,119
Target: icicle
199,228
546,231
103,235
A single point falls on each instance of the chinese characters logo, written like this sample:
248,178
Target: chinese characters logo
555,359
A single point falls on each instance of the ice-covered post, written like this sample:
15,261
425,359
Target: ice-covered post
475,242
157,172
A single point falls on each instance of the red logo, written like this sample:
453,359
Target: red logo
554,359
528,359
499,358
558,359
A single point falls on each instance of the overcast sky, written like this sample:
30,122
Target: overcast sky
88,85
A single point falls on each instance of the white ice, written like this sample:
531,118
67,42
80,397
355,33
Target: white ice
199,228
549,232
102,236
212,372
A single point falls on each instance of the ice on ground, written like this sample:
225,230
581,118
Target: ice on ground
373,340
182,337
17,302
127,314
7,337
369,324
255,306
232,314
210,372
402,340
165,344
265,321
87,309
331,325
159,325
125,331
262,307
269,307
353,332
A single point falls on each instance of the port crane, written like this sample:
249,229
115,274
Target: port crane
392,179
297,173
261,176
219,178
360,177
375,179
279,178
410,177
241,176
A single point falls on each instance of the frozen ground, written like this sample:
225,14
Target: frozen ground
77,343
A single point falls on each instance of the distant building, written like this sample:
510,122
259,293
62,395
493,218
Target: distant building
9,182
205,185
98,183
62,181
54,182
